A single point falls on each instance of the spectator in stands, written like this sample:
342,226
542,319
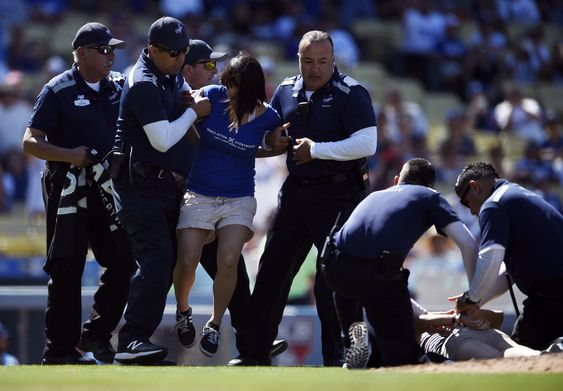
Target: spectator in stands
457,134
556,66
423,28
5,357
6,190
518,11
351,11
389,158
552,147
449,55
396,110
479,113
520,116
531,168
14,112
450,163
538,51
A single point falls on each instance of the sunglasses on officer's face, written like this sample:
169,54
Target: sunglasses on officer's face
462,199
208,65
102,49
172,52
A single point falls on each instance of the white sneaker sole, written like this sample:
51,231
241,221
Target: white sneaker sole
357,356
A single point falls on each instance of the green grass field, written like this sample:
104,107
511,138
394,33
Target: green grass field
105,378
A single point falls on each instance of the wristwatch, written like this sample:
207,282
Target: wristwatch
464,299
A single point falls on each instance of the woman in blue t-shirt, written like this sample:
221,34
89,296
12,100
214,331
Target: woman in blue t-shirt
219,199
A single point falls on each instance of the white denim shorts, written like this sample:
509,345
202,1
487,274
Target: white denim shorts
213,213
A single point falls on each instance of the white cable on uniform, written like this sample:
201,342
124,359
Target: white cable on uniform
360,144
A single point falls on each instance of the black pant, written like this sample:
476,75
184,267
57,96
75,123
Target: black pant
149,213
387,305
541,321
63,315
241,295
304,217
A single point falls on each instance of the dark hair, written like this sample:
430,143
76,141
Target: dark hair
474,171
244,72
419,171
316,36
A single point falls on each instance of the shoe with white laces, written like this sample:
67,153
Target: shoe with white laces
140,352
357,355
209,340
185,328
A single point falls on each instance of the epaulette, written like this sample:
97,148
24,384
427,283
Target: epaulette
116,77
289,81
345,84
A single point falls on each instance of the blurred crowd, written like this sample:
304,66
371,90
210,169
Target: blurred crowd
484,68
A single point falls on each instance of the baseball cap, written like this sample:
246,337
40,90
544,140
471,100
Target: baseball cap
201,51
95,33
169,32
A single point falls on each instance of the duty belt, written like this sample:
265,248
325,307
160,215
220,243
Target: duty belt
151,170
322,180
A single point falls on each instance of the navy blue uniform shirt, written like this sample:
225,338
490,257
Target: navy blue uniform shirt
150,96
529,228
73,114
336,110
393,219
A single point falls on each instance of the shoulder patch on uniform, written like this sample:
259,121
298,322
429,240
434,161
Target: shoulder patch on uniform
62,85
116,77
350,81
341,86
289,81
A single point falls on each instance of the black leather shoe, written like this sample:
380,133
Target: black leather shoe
74,358
102,350
248,362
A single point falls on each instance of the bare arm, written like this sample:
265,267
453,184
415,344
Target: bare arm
35,143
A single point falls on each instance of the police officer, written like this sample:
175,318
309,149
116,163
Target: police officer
368,256
152,121
199,70
75,114
522,230
333,126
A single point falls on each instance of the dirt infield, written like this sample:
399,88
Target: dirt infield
547,363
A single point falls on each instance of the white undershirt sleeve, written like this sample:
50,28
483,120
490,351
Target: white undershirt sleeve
499,287
360,144
466,242
487,270
164,134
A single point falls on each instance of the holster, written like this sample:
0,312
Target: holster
118,164
329,252
361,173
390,264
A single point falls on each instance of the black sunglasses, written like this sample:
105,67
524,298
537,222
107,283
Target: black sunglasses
102,49
172,52
462,200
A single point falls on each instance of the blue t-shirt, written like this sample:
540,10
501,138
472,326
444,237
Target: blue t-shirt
529,228
393,219
224,162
